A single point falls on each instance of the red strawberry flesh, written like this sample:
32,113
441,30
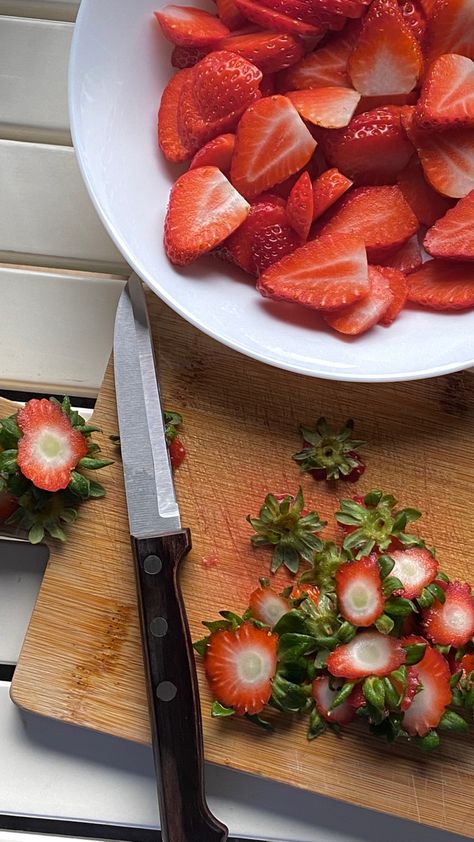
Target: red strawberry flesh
364,314
416,568
369,653
190,27
324,696
428,705
359,591
443,285
452,236
267,606
451,622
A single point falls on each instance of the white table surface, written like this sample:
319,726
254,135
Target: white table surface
56,320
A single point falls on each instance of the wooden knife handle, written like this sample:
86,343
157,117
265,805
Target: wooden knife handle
173,693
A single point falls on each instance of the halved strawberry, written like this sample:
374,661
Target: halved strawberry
8,505
270,51
416,568
299,208
452,236
184,57
323,274
190,27
368,653
194,130
359,591
450,28
267,606
451,623
276,21
386,58
447,158
272,143
272,243
406,259
399,289
372,149
216,153
326,66
266,211
230,15
331,108
203,210
240,666
428,705
224,83
443,285
447,95
380,215
414,17
171,144
50,448
362,315
324,696
327,189
425,202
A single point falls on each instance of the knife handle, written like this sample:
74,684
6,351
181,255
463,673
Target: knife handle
173,694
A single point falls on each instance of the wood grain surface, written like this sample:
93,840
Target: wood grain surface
81,661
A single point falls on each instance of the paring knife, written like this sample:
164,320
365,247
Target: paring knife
159,545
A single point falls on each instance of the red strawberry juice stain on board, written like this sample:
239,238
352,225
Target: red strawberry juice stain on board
209,561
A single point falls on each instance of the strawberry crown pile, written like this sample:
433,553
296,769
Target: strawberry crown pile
372,629
326,141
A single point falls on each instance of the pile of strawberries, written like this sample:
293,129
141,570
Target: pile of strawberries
373,629
328,141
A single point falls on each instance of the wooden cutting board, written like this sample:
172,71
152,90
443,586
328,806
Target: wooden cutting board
81,661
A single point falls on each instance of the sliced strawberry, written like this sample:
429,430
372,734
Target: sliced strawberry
327,66
386,58
450,28
399,289
328,107
299,208
49,448
447,159
359,591
225,83
414,17
323,274
369,653
216,153
272,143
406,259
369,103
183,57
428,705
272,243
305,591
276,21
171,144
177,453
267,85
324,696
447,95
267,606
372,149
410,689
451,623
230,15
194,130
240,666
190,27
203,210
327,189
426,203
270,51
364,314
416,568
380,215
8,505
266,211
466,664
443,285
452,236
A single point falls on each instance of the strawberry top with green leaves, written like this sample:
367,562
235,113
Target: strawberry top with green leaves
330,455
375,523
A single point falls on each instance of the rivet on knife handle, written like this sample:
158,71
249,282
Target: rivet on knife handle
173,691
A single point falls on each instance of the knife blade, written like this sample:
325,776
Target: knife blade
159,545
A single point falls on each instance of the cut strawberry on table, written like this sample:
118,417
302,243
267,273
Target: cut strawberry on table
369,653
240,666
171,143
323,274
359,591
267,606
204,208
50,448
386,58
270,51
449,30
443,285
399,289
190,27
331,107
451,622
224,83
327,189
425,202
324,697
268,18
372,149
447,96
272,143
406,259
364,314
429,704
299,208
216,153
379,215
452,236
416,568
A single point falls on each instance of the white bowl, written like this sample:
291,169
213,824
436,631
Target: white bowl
119,66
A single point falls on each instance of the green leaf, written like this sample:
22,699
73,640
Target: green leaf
94,464
66,405
317,725
426,599
399,607
451,721
437,592
391,584
68,515
346,632
289,696
10,427
374,691
386,564
392,697
215,625
443,576
55,530
373,498
429,741
343,694
86,429
79,485
414,653
96,490
36,534
200,646
8,461
257,720
455,678
384,624
321,659
218,711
